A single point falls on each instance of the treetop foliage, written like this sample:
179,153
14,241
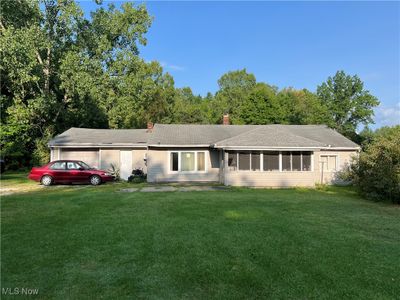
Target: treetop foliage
59,69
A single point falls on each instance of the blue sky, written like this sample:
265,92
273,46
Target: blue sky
297,44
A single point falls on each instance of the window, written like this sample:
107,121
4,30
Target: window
306,159
60,165
255,161
232,161
174,161
296,161
328,162
244,161
286,161
201,162
187,161
271,161
73,165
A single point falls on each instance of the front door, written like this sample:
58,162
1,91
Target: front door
126,164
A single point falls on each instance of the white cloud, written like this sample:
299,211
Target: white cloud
172,67
387,115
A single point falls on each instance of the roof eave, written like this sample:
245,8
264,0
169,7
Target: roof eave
179,146
284,148
99,145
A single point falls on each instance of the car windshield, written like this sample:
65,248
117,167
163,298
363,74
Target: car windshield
85,166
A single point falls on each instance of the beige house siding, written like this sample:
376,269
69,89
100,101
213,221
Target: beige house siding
89,156
109,157
343,158
288,179
158,167
54,154
138,156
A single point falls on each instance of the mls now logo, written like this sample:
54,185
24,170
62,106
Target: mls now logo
19,291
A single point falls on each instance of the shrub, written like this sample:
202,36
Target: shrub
377,170
346,174
138,176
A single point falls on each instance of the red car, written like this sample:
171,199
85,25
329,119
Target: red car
69,171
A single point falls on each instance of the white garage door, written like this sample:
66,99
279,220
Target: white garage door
89,156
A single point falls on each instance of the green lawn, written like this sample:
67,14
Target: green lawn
95,242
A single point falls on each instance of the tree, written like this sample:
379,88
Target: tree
301,107
348,103
377,170
234,89
261,106
189,108
59,70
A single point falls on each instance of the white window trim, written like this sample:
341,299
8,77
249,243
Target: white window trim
195,162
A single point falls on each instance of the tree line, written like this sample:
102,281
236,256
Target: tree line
60,69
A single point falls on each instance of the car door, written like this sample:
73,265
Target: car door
76,173
58,171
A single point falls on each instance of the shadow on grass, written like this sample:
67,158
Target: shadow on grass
16,176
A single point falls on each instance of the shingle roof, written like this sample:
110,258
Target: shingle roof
191,134
87,136
289,136
224,136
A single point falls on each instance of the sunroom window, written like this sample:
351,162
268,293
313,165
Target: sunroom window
306,159
232,161
244,161
271,161
255,161
286,161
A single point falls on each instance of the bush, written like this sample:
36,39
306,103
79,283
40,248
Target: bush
345,176
377,170
41,154
138,176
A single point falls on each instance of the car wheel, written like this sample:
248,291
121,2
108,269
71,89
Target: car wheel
95,180
47,180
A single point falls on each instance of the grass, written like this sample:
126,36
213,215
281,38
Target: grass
95,242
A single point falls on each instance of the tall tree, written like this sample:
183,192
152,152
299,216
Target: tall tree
261,106
302,107
60,70
347,101
234,89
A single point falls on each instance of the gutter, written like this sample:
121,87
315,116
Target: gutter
89,145
179,146
283,148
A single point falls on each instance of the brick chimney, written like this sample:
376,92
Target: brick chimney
150,126
225,120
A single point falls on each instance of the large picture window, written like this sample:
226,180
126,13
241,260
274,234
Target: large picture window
272,161
188,161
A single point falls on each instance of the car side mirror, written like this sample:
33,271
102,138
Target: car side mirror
81,169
